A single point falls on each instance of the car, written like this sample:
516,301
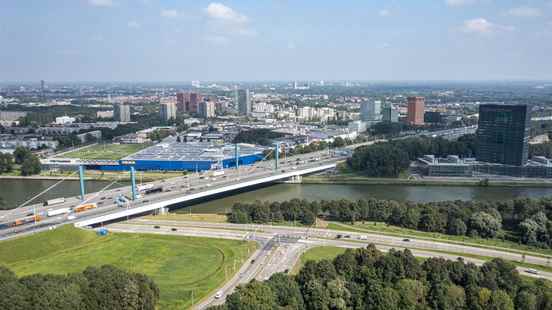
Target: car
347,236
532,271
218,295
71,217
103,198
146,201
156,226
173,229
406,240
100,203
339,236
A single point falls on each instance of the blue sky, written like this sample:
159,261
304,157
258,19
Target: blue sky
182,40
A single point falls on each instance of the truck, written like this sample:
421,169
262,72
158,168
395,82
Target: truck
22,221
144,187
54,201
54,212
157,189
217,173
84,207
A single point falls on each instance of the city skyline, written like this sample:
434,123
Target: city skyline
121,40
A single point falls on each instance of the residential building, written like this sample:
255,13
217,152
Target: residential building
206,109
64,120
167,110
503,134
122,112
415,112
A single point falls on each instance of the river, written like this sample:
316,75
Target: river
15,192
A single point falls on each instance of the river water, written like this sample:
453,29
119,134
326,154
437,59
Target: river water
16,191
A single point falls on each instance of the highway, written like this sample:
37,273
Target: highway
172,189
280,247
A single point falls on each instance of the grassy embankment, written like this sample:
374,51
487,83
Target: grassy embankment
179,265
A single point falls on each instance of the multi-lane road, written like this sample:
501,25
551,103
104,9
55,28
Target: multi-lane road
172,188
280,247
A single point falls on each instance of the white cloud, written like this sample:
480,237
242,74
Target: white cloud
384,13
224,23
458,3
169,13
102,3
133,24
224,13
483,26
524,11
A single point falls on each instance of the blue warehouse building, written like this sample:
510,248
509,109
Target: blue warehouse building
184,156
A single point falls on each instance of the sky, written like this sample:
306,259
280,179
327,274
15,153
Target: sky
248,40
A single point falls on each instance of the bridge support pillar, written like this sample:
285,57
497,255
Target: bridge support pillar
237,155
296,179
277,155
81,179
133,182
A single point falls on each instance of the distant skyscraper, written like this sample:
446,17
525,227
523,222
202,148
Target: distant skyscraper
390,114
243,102
122,112
370,111
167,110
193,102
503,134
206,109
42,90
416,106
180,102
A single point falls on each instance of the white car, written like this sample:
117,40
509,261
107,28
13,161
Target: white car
218,295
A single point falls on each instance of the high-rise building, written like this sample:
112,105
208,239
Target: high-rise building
206,109
503,134
180,102
193,102
433,117
42,90
122,112
390,114
167,110
415,114
243,102
370,111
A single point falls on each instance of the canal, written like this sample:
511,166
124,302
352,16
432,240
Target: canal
15,192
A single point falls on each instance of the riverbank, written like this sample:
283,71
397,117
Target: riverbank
362,180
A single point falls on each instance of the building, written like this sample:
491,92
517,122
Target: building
181,102
390,114
415,110
206,109
433,117
243,102
105,114
64,120
503,134
167,110
122,112
370,111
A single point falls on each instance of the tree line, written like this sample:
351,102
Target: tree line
368,279
95,288
529,221
22,156
389,159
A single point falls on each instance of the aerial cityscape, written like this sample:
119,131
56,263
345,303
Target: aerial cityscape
162,154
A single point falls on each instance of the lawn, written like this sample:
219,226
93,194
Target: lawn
177,264
317,254
106,151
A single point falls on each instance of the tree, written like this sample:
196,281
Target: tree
457,227
30,165
286,291
500,301
20,154
6,163
485,225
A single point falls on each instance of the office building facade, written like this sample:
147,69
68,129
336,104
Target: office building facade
415,110
370,111
503,134
206,109
390,114
243,102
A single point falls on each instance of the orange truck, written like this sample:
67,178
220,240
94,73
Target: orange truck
25,220
84,207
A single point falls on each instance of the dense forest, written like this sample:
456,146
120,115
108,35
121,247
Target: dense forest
102,288
369,279
523,220
389,159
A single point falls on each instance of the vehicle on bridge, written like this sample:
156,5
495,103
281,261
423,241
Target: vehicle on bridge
54,201
21,221
84,207
54,212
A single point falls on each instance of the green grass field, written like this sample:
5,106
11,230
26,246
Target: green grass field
106,151
177,264
317,254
